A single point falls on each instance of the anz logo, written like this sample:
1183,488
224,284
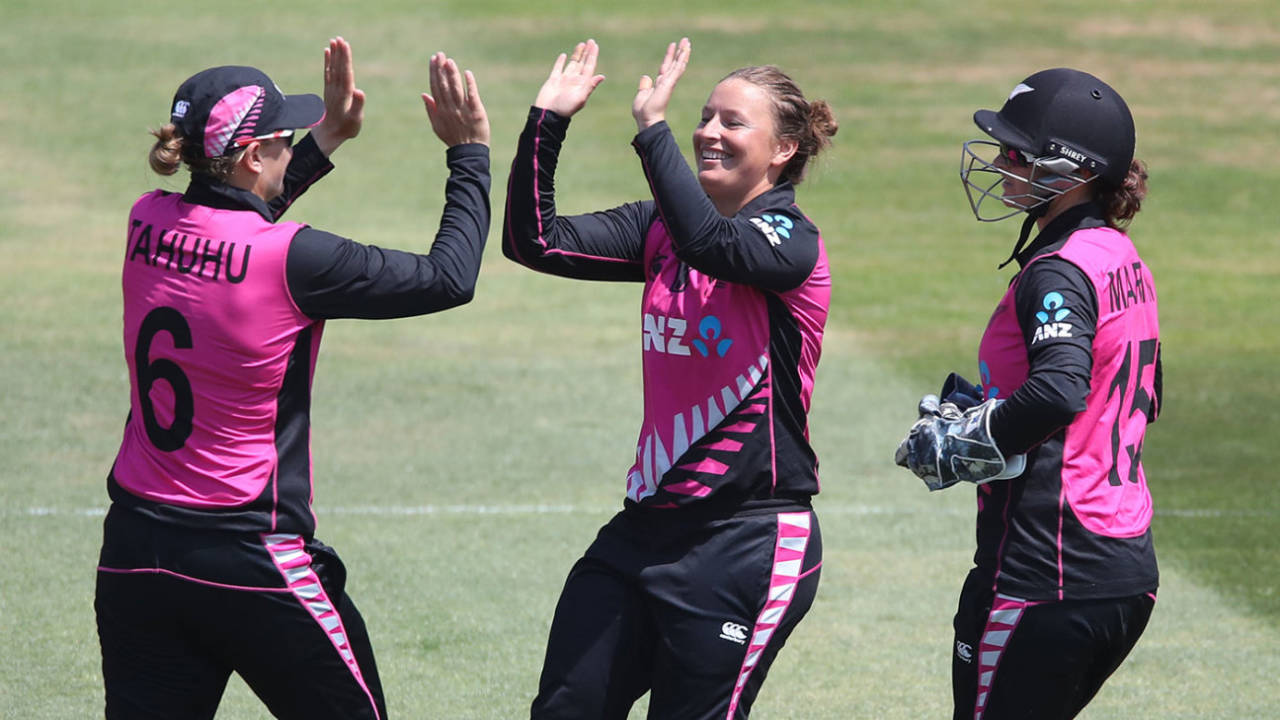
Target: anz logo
709,331
1051,325
667,335
988,390
776,228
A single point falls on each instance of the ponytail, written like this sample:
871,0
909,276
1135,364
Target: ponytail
166,154
810,124
171,150
822,127
1121,203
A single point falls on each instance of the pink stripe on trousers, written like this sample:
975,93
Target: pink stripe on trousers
788,559
1005,613
290,556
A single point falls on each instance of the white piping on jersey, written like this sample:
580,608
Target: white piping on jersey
652,460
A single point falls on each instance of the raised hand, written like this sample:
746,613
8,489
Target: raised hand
571,82
453,105
650,106
343,101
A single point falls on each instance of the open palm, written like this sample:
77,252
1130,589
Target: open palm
652,97
457,115
343,101
572,80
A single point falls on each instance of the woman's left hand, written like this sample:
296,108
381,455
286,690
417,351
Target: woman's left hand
343,101
571,81
650,106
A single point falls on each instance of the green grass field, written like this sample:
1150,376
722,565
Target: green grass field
463,461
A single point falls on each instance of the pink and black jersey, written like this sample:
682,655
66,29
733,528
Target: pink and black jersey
219,357
223,313
731,319
1074,348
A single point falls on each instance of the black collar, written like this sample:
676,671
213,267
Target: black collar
1080,217
781,195
204,190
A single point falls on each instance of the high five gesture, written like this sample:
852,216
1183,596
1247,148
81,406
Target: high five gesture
650,106
571,81
710,272
189,517
343,101
457,114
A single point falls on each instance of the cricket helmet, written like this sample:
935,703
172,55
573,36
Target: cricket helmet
1060,122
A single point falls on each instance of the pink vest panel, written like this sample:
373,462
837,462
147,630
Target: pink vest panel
209,325
1102,477
705,349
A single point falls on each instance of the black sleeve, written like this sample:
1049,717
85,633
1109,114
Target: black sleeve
606,245
1058,311
333,277
306,166
763,251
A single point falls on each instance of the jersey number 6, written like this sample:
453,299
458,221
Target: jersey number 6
164,319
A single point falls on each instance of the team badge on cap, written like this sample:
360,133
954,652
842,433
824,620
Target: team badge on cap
224,108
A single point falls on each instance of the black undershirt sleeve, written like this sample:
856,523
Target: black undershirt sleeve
1058,312
306,166
332,277
606,245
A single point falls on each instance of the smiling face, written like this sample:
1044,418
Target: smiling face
738,153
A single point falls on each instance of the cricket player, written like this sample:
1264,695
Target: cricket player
689,592
1070,376
209,561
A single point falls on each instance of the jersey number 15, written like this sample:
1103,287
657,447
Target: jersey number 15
1142,402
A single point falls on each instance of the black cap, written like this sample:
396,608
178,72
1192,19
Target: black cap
222,105
1069,114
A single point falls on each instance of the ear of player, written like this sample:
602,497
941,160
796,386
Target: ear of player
948,445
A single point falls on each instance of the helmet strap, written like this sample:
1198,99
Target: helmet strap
1033,215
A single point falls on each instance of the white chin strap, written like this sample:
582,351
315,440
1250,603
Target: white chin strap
1048,178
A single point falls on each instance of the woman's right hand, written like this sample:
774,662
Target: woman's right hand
343,101
457,115
571,81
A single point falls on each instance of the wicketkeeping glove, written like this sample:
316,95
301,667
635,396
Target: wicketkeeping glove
947,445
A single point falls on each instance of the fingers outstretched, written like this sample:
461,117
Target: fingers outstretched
654,94
454,106
572,79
